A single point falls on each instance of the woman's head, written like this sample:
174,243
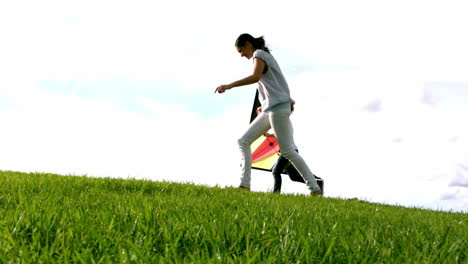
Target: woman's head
246,45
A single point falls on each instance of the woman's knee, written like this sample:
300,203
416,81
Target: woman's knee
242,142
289,153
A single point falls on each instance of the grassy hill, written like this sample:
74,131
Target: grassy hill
46,218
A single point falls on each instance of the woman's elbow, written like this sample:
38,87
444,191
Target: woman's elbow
256,78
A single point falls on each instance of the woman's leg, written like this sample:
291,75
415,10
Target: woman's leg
282,127
258,127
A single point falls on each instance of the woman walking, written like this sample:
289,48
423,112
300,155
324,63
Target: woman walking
276,109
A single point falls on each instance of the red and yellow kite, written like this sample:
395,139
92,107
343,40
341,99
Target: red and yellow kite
266,151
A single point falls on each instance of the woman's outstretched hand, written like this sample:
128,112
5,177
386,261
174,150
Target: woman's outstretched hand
222,88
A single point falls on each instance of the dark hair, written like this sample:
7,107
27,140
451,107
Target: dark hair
257,43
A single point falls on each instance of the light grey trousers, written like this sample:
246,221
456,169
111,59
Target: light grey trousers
277,119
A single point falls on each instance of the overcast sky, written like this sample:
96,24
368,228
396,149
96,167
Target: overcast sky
125,89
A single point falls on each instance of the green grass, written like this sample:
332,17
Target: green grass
46,218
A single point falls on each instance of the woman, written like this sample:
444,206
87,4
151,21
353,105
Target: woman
276,109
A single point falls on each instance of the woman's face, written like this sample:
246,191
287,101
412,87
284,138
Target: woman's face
246,51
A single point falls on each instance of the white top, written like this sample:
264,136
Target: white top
273,88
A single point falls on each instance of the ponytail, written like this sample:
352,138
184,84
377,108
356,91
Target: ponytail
261,44
257,43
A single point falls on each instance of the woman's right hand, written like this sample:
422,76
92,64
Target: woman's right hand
222,88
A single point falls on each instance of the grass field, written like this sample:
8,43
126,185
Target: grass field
46,218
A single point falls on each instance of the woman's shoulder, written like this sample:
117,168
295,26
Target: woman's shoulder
263,55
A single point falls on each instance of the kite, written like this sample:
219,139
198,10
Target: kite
265,152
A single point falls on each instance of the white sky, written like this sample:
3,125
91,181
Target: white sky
125,89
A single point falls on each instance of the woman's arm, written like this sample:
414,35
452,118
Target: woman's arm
259,65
